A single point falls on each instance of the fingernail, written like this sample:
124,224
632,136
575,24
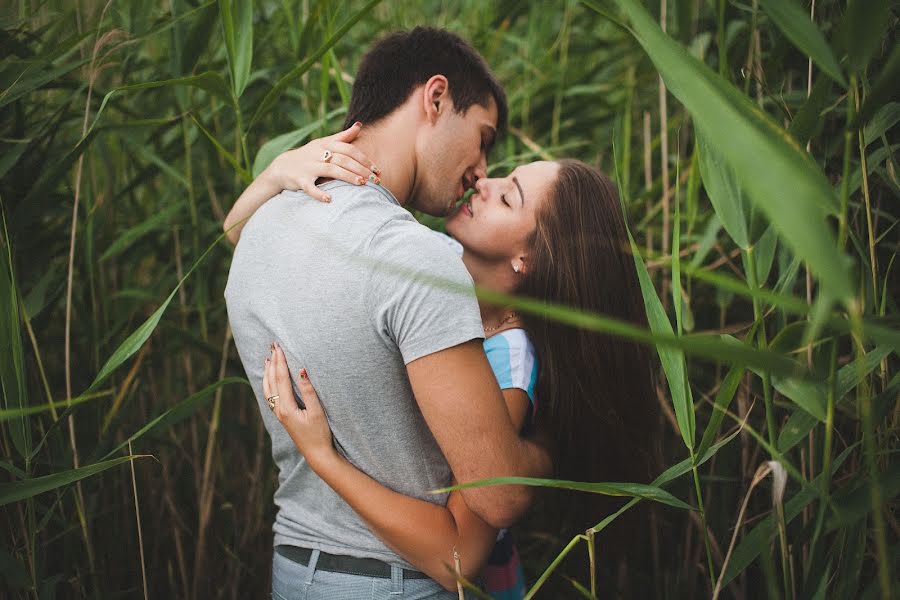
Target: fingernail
303,374
376,170
360,180
327,198
358,124
372,177
377,180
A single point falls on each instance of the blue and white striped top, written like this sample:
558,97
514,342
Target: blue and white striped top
513,360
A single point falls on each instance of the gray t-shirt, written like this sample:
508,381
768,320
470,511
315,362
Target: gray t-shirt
348,291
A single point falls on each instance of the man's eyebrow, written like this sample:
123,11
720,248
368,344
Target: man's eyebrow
521,193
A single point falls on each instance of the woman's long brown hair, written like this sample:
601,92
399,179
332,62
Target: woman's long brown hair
595,392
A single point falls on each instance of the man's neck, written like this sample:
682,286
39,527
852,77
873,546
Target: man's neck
390,144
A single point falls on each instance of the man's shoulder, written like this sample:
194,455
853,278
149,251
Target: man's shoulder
410,242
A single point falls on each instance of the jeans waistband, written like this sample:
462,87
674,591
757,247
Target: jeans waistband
350,565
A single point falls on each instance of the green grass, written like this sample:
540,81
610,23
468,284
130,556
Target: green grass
766,261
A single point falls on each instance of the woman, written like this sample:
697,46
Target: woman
549,230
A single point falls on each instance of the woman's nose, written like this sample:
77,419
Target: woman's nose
481,186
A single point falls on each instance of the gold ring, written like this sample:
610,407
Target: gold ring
326,156
271,400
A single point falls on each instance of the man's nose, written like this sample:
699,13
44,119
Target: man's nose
480,171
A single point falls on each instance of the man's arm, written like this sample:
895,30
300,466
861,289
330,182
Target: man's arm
464,408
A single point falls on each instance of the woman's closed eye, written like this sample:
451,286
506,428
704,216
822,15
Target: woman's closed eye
503,199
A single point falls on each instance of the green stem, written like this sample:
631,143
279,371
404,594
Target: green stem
864,400
769,405
709,560
826,452
723,52
546,574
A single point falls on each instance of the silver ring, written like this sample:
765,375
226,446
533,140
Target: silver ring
326,156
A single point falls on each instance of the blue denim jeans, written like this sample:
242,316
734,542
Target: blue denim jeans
293,581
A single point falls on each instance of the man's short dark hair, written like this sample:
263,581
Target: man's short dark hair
398,63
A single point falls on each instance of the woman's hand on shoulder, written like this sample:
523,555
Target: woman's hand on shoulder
332,157
305,421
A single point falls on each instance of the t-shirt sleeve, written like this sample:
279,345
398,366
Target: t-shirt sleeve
513,360
420,296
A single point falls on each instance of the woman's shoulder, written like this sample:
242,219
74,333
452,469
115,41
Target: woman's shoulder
513,359
516,340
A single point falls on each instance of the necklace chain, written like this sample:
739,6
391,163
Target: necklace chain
509,317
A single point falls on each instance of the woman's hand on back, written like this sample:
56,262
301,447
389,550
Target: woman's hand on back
307,425
298,169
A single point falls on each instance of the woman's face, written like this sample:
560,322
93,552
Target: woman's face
494,224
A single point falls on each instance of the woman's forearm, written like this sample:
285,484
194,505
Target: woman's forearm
257,193
423,533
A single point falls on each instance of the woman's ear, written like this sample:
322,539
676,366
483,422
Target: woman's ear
435,97
518,265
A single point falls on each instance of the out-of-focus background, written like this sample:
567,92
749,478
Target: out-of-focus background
759,180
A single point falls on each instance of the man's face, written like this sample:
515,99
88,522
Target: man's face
452,155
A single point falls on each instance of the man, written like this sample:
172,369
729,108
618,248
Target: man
382,344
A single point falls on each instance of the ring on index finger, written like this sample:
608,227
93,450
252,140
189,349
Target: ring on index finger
326,156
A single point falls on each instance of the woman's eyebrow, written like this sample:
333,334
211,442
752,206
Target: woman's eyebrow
521,193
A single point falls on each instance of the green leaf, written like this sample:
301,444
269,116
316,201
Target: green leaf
758,539
849,376
884,89
7,414
294,74
28,488
724,191
289,140
672,360
796,25
777,174
809,117
232,160
863,29
723,401
180,411
882,121
133,234
136,340
237,26
12,357
632,490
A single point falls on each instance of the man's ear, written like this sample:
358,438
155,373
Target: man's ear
435,97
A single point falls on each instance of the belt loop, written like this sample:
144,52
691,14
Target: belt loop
396,580
311,567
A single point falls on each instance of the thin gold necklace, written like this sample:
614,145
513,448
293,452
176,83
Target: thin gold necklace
509,317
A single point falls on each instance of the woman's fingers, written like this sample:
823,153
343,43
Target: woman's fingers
283,380
347,135
309,187
353,166
308,393
266,390
356,154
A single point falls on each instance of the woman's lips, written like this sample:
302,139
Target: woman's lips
467,208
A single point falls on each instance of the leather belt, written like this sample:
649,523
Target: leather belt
350,565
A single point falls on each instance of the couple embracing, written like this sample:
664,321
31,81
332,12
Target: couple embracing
381,377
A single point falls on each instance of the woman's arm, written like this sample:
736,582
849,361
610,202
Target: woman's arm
299,169
423,533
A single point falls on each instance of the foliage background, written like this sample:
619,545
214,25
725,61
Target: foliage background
129,128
